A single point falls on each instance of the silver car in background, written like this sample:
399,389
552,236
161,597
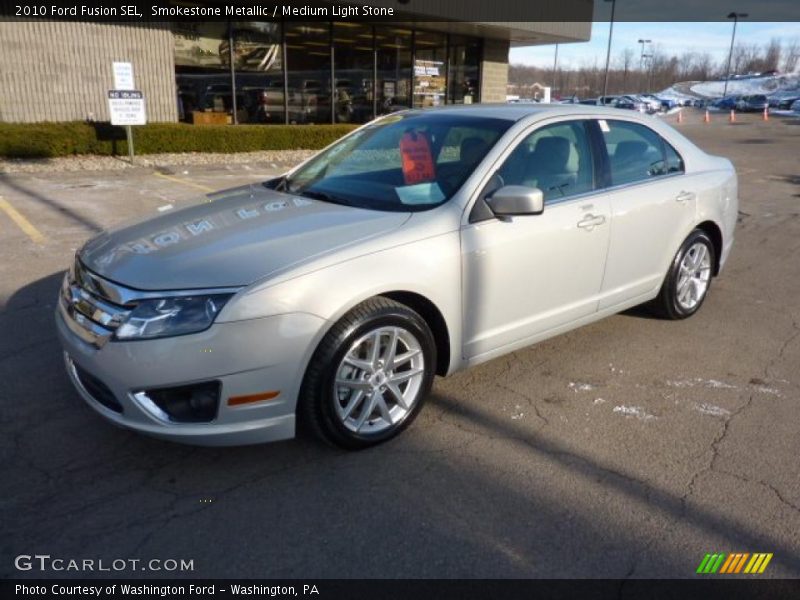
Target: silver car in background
420,244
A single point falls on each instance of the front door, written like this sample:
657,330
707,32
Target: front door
525,276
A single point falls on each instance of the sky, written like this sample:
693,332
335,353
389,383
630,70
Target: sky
669,38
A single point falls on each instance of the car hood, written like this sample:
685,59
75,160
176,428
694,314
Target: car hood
238,237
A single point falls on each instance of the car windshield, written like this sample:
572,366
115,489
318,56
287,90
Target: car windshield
399,163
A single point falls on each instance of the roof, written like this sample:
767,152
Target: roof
515,112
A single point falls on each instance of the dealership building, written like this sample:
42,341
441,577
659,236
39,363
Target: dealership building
267,71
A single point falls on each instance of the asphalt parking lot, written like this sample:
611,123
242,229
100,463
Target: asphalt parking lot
629,448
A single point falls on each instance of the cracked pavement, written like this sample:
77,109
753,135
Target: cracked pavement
628,448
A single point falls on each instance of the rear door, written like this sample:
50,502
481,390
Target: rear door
653,203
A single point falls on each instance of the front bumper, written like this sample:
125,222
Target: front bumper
246,357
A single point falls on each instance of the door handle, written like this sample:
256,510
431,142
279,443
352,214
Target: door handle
685,197
589,222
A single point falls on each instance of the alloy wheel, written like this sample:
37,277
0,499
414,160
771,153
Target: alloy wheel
378,381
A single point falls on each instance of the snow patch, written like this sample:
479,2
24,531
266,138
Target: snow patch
634,411
698,381
712,409
580,387
768,390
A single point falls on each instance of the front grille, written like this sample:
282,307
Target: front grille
97,389
88,312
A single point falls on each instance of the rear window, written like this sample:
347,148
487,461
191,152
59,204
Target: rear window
637,153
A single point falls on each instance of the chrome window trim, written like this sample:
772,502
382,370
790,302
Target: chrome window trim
528,129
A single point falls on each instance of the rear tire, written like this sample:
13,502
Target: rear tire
689,278
369,376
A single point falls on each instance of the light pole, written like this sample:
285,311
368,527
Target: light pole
735,16
649,70
641,58
555,66
608,52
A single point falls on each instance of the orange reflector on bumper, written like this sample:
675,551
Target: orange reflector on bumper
237,400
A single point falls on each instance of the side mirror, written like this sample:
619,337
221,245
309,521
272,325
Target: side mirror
516,200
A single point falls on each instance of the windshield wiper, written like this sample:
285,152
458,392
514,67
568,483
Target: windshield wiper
324,196
278,183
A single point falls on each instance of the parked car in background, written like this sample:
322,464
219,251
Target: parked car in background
795,105
606,100
653,103
726,103
420,244
753,103
668,104
630,103
782,102
589,101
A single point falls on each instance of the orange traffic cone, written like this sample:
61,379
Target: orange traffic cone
680,116
766,113
732,118
707,118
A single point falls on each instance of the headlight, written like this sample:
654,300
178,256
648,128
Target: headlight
163,317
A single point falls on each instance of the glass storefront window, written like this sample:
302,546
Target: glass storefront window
393,55
430,69
308,64
375,71
202,65
258,64
353,71
465,56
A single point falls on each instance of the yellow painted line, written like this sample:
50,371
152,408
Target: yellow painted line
199,186
749,567
21,221
755,563
765,563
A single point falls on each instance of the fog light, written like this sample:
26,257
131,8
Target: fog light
195,403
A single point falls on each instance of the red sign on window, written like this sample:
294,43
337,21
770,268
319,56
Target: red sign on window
417,158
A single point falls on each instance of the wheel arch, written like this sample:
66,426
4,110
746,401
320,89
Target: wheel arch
435,320
712,230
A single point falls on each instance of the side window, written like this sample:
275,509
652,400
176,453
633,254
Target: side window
636,152
674,160
557,159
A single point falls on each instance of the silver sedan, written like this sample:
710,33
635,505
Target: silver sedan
421,244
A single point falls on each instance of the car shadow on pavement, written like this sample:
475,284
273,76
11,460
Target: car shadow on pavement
675,508
14,184
80,486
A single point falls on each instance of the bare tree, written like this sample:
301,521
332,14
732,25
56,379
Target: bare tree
791,56
704,66
686,63
625,62
772,55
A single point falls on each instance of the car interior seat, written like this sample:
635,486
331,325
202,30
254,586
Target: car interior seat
549,166
629,161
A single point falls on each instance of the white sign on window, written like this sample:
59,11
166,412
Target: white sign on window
123,76
126,107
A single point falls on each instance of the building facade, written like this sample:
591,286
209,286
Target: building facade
334,71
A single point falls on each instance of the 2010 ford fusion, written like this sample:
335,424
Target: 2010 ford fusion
420,244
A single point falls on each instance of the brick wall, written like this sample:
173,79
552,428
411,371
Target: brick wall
494,71
62,71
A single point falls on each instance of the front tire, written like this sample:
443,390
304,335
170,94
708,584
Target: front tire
686,285
369,376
